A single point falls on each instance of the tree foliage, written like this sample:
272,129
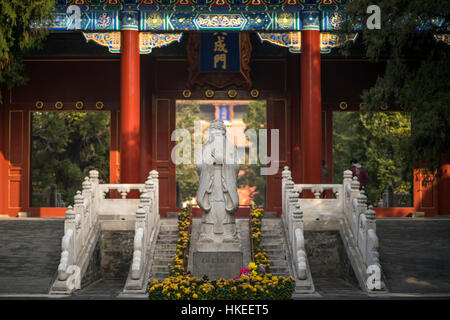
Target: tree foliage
17,38
65,146
186,175
377,141
417,71
256,118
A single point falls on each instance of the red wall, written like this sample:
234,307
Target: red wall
162,82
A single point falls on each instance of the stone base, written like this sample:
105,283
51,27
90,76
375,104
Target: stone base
217,260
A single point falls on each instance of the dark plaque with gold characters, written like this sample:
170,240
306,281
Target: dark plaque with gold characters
219,59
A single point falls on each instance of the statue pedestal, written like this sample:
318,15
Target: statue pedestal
217,260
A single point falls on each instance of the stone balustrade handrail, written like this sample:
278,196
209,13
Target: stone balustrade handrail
123,188
147,219
293,221
82,227
358,224
318,189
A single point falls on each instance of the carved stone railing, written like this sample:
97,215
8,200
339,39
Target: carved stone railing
292,218
120,205
357,222
82,226
359,227
147,221
80,231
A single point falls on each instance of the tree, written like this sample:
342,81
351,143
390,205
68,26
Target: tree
186,175
17,37
65,146
256,118
377,142
417,71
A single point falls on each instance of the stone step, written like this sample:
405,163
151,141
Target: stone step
159,255
279,263
171,246
164,251
271,227
160,275
274,229
167,237
161,261
168,234
168,228
277,256
271,236
275,241
286,275
281,269
157,268
275,247
270,222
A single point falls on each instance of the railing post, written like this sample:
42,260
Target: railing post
95,196
355,187
67,245
70,224
141,216
139,243
146,205
286,176
298,242
292,202
80,212
362,202
87,195
155,199
372,238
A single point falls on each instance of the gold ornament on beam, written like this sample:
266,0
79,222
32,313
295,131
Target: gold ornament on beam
59,105
343,105
209,93
187,93
39,105
232,93
99,105
79,105
254,93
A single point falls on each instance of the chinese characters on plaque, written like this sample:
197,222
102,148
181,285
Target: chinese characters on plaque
220,51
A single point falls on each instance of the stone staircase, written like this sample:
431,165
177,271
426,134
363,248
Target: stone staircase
415,254
274,243
164,249
29,254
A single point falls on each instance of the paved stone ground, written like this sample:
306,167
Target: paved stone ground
30,250
415,254
103,289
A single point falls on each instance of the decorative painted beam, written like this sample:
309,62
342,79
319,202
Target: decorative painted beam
195,15
292,40
147,40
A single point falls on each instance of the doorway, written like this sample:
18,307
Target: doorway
238,117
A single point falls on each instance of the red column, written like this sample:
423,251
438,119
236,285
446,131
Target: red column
146,119
130,107
444,190
3,178
311,104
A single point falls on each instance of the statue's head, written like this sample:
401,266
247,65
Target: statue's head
217,128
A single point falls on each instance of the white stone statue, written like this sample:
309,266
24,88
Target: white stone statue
217,194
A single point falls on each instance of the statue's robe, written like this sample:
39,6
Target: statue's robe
217,195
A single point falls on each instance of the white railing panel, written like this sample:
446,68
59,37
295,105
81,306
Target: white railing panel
349,206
